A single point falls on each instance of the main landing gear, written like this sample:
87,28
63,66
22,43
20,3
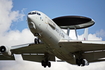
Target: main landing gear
80,62
46,63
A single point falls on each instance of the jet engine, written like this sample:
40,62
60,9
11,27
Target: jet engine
5,51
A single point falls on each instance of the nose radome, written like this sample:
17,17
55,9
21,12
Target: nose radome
30,17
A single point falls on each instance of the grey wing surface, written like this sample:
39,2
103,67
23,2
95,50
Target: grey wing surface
29,48
93,51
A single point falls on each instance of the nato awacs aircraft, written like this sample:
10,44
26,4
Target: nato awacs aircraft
53,42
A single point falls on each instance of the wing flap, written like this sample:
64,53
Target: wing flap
91,56
37,58
98,60
94,56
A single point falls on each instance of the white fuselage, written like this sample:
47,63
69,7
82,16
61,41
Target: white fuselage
50,33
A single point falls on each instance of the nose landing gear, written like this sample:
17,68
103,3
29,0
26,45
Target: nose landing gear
36,41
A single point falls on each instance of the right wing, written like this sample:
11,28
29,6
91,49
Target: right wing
32,52
29,48
2,57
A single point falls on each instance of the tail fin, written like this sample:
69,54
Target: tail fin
85,37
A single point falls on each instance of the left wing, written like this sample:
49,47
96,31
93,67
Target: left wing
91,50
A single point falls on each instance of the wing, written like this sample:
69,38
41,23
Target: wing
29,48
93,51
32,52
2,57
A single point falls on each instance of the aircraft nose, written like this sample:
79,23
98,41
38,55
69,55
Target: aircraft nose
32,14
28,16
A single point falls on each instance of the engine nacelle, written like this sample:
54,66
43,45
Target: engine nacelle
5,51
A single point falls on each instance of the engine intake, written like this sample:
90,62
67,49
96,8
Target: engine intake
5,51
2,49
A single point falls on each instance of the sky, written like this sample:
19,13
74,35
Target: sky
14,29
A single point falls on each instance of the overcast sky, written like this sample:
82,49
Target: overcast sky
14,29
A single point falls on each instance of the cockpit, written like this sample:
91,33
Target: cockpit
33,13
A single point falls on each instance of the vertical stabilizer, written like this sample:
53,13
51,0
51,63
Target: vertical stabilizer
85,36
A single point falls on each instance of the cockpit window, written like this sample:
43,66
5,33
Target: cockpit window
34,13
38,13
29,13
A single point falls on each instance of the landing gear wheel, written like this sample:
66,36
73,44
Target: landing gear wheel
46,63
36,41
80,62
49,64
44,66
43,63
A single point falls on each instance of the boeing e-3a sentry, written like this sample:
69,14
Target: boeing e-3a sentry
53,42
